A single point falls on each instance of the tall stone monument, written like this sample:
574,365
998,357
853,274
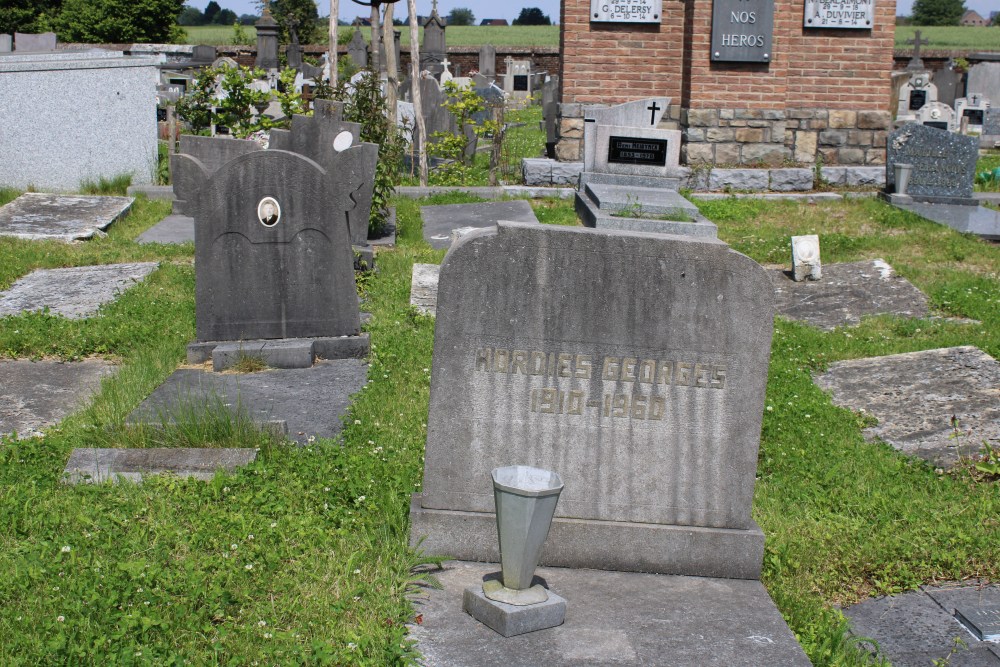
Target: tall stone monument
267,40
434,49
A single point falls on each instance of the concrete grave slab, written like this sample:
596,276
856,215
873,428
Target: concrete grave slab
424,287
37,394
289,396
76,292
612,618
440,221
94,466
916,628
846,294
979,220
915,395
172,229
39,215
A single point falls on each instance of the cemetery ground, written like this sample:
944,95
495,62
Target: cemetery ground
302,558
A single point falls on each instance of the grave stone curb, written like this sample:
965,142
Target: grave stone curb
286,353
809,197
791,180
165,192
658,548
594,216
346,347
95,466
739,179
511,620
853,176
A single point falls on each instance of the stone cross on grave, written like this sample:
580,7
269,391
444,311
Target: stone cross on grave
445,62
915,62
434,7
653,108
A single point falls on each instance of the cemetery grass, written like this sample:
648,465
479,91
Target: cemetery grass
949,38
846,519
457,35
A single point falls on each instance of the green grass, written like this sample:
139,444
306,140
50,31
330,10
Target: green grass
302,557
457,35
954,38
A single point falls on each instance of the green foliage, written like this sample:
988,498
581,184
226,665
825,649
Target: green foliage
290,101
990,462
367,106
240,34
532,16
452,149
190,16
27,15
241,108
117,185
461,16
938,12
195,108
303,14
118,21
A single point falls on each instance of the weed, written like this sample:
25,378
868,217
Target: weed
248,363
116,185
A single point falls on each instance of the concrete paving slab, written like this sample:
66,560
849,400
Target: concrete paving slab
916,628
76,292
39,215
440,221
915,397
979,220
93,466
310,401
846,294
172,229
612,618
37,394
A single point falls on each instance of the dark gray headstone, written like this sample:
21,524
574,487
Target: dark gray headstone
267,41
45,41
648,402
436,117
197,159
550,111
991,122
441,221
397,35
434,49
944,164
6,43
273,254
75,292
203,53
357,49
488,60
950,85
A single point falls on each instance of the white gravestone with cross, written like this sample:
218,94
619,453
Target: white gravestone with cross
973,108
446,74
626,139
914,95
517,80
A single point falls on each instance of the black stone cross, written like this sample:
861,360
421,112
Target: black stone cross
653,108
915,61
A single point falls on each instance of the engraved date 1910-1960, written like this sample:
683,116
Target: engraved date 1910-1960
552,401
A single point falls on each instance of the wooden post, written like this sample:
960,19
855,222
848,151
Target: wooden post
391,66
331,57
415,88
376,41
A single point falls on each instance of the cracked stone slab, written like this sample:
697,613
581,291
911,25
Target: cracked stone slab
39,215
93,466
441,221
76,292
916,628
846,294
37,394
915,395
308,401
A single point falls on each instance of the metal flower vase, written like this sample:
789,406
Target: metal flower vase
901,173
526,500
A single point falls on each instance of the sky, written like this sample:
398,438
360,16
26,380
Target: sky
491,9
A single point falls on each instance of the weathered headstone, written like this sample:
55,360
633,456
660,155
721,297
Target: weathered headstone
984,79
37,394
6,43
550,114
273,254
937,115
26,42
488,60
806,263
94,466
991,123
396,35
950,84
440,222
267,40
648,402
517,79
357,49
435,48
644,115
944,164
914,94
40,215
972,111
75,292
423,288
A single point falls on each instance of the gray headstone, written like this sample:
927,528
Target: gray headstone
991,122
397,36
6,43
75,292
644,114
267,41
93,466
550,111
197,159
273,255
434,49
357,49
944,164
37,394
950,85
203,53
488,60
647,402
984,79
423,287
45,41
41,215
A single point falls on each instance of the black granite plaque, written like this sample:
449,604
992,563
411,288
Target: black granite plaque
520,82
918,98
975,116
983,622
944,163
631,150
742,30
937,124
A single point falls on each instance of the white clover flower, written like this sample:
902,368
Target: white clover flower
274,524
66,549
261,624
233,547
361,499
248,566
267,635
357,422
60,618
250,537
352,646
358,571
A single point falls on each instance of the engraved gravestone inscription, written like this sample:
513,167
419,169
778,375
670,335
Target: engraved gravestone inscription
626,11
630,150
742,30
944,163
839,14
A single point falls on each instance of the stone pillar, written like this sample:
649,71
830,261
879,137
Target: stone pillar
267,41
435,47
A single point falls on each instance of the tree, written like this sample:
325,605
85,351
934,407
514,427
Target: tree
211,10
190,16
305,15
938,12
532,16
27,15
118,21
248,19
461,16
225,17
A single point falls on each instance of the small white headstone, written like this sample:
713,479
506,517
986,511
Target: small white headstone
805,258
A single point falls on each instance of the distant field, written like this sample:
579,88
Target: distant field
456,35
954,38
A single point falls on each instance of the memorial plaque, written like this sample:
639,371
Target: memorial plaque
937,124
975,116
626,11
520,82
742,30
855,14
629,150
918,98
984,623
